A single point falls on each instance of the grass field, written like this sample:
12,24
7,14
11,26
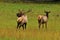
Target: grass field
8,22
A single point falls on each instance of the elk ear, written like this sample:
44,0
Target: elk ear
47,11
20,10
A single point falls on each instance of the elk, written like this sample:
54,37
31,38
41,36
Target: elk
43,19
22,19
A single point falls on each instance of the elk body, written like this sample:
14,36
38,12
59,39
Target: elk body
43,19
22,19
22,22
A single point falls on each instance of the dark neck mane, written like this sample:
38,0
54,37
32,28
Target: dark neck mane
47,14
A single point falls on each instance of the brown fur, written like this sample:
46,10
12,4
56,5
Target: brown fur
42,19
22,21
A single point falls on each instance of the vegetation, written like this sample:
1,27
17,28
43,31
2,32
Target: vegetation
8,22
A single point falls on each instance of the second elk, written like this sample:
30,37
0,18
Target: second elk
43,19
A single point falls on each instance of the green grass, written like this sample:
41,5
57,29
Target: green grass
8,22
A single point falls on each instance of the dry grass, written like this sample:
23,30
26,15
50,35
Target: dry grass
30,34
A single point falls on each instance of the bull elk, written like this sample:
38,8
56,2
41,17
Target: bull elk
22,19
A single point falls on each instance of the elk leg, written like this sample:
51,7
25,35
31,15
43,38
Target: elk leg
46,25
18,25
39,25
39,22
25,25
43,25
